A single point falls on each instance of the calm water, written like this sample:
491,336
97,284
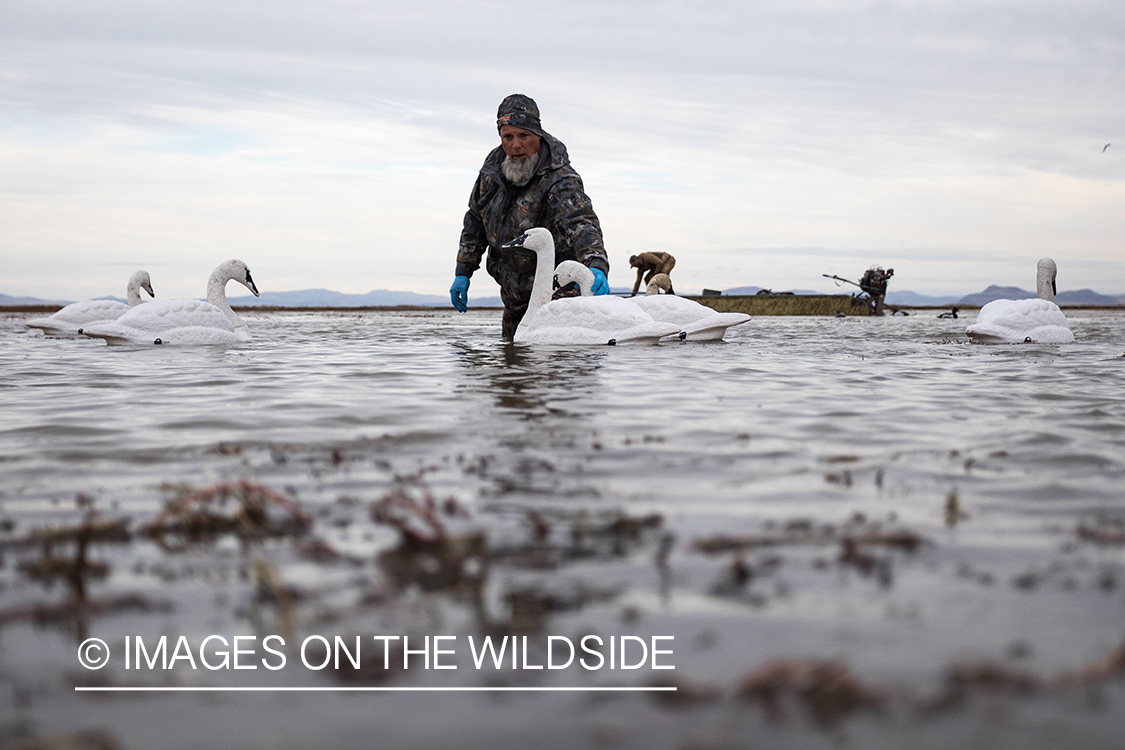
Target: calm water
598,482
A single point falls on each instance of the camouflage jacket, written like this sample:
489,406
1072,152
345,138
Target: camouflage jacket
500,211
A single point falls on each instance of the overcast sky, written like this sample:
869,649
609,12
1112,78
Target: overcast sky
333,144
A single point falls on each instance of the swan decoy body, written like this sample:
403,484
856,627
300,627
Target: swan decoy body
577,320
1031,321
696,322
184,321
699,322
75,317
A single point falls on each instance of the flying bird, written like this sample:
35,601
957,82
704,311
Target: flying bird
1105,147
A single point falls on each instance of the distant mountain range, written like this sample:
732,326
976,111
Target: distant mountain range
326,298
1080,297
8,301
388,298
913,299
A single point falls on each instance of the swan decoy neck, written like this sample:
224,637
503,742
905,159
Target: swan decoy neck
1045,273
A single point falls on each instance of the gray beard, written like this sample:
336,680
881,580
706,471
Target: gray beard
519,171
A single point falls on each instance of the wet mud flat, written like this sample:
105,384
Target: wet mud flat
954,575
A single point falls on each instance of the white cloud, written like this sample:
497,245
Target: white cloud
334,145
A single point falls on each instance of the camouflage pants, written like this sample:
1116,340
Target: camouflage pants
515,293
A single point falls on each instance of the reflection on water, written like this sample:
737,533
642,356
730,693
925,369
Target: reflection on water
526,381
837,519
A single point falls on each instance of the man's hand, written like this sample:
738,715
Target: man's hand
459,293
601,283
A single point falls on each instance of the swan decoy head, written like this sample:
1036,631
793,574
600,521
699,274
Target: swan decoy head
138,281
144,282
520,249
661,282
235,270
534,239
572,274
517,242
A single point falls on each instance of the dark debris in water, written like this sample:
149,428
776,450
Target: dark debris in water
75,610
64,552
441,550
198,515
827,690
967,678
803,533
1108,531
91,530
87,739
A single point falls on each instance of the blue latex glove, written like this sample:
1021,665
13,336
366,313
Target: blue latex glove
459,293
601,283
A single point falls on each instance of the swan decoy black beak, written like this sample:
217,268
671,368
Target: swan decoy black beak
250,284
518,248
517,242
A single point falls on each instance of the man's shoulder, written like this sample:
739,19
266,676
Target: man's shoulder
491,166
559,157
559,173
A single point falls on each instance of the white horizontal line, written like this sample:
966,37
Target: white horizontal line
128,689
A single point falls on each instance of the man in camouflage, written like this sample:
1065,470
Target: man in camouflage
526,182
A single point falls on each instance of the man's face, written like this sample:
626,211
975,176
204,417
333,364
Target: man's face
518,143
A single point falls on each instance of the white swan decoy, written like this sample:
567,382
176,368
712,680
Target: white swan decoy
184,321
577,320
72,319
1024,321
699,322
